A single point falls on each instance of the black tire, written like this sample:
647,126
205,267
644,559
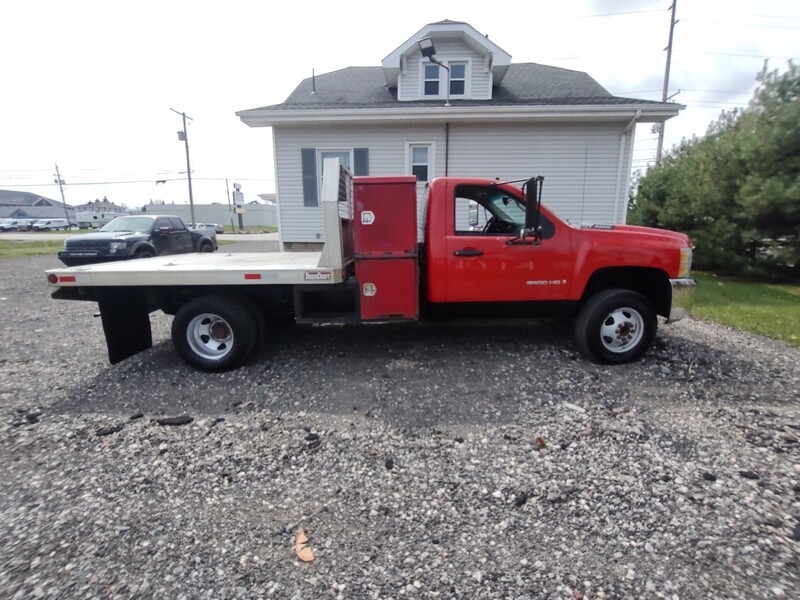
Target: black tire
616,326
206,247
260,317
144,253
214,333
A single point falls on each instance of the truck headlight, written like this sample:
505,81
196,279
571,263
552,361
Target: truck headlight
685,267
115,247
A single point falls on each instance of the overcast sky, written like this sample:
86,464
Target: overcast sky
89,85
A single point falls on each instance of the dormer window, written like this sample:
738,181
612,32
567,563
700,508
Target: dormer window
435,79
432,80
458,78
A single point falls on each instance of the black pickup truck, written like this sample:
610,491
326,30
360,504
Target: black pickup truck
136,236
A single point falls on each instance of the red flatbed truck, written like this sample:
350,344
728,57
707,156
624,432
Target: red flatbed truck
472,248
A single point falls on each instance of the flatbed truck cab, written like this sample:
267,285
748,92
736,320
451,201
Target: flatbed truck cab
474,247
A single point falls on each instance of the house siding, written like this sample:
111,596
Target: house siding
580,163
387,148
479,85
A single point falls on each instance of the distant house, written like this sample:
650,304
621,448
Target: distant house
482,115
27,205
102,206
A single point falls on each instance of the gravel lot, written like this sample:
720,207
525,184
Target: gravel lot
446,461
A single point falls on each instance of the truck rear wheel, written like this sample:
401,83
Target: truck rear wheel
616,326
214,333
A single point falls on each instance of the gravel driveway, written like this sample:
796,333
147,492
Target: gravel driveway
439,461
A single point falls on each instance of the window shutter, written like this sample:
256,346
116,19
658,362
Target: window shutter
361,158
308,157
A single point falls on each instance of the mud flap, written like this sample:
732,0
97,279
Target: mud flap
126,322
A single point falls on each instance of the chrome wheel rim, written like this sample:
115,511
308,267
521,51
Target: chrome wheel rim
622,329
210,336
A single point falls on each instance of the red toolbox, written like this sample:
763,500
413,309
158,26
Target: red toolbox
388,289
385,216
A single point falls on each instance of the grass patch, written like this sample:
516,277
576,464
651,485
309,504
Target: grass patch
19,248
252,229
771,310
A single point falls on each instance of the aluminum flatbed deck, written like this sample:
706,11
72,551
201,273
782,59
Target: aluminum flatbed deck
220,268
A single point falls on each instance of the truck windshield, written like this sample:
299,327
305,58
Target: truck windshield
140,224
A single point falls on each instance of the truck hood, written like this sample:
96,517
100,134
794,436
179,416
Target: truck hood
98,237
635,230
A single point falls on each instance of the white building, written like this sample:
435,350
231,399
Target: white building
481,116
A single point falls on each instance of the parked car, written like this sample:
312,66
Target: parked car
17,224
136,236
51,224
215,226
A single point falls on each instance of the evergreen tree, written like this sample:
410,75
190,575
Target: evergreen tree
736,190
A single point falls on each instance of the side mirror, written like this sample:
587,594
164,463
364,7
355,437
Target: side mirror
165,231
533,209
472,209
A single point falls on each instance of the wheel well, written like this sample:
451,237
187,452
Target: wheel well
270,299
144,246
653,284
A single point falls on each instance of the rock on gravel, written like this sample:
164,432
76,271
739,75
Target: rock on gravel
439,461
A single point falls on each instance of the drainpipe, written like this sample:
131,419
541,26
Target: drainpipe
446,148
621,163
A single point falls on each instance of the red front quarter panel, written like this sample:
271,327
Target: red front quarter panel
625,246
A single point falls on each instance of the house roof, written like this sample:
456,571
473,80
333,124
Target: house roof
521,91
32,212
362,92
15,198
98,205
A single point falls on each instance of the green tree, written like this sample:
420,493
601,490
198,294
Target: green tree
736,190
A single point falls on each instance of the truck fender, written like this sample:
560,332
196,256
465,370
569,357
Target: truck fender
145,248
205,244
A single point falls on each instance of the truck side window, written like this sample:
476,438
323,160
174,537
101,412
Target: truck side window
162,223
491,211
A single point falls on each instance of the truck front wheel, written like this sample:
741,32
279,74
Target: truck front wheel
616,326
214,333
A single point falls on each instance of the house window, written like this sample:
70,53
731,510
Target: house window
419,159
344,157
431,80
458,78
312,161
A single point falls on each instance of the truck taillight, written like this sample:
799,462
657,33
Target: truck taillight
52,278
685,268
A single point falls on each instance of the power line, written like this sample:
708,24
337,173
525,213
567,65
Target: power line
729,23
134,181
736,54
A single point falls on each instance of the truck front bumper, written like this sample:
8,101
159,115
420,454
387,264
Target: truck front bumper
683,294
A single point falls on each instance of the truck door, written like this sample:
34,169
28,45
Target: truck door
182,237
486,261
169,240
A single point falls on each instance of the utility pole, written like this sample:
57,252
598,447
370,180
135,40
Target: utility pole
230,208
60,183
184,136
665,89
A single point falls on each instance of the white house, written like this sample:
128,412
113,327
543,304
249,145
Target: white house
472,113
